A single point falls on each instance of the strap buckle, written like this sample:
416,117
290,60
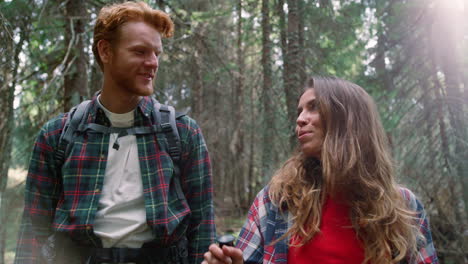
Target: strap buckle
174,152
116,255
166,127
174,253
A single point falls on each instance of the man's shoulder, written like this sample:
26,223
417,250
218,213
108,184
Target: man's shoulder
187,123
55,124
51,130
58,122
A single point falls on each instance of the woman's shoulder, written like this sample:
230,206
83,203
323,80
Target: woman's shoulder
411,199
263,202
263,198
264,193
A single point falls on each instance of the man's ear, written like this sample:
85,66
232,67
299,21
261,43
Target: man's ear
105,50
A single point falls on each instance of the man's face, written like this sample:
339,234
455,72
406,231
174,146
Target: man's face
134,59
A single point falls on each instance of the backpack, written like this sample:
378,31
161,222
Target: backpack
164,119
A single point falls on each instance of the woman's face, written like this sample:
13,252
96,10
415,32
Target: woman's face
309,128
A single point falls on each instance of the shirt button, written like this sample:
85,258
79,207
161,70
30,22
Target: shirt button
97,190
88,227
103,156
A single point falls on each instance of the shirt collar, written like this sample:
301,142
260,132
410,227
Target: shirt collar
98,116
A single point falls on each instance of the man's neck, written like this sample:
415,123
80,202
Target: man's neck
118,102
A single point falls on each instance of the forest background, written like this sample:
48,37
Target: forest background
238,66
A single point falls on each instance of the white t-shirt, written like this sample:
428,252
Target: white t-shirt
121,216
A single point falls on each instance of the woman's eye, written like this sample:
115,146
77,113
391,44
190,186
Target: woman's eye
313,106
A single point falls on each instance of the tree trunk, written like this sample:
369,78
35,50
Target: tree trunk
254,180
96,79
282,29
6,129
325,4
237,140
76,79
379,62
292,68
301,37
268,120
197,99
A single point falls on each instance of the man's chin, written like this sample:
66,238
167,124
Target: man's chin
146,91
149,93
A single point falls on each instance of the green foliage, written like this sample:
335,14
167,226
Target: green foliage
420,100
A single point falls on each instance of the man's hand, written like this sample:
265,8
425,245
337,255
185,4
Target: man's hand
225,255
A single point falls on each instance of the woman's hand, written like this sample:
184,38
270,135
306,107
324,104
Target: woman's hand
225,255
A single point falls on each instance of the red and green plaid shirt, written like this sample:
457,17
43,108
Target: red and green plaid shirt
67,202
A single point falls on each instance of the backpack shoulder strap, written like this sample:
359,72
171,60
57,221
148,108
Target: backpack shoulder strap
165,116
74,119
180,114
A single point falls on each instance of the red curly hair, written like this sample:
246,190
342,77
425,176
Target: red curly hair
112,17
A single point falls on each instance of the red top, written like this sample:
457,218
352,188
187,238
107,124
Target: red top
336,244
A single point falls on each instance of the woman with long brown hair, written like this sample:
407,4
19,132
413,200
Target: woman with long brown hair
336,200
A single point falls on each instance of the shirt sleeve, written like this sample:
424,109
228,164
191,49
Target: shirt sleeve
426,251
197,182
251,240
42,191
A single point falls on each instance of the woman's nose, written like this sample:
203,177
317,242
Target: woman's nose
301,120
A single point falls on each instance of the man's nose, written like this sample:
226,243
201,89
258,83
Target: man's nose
152,61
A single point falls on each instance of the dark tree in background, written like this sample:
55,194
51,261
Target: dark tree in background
6,126
75,70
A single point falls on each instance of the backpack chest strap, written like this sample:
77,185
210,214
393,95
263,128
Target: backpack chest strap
121,131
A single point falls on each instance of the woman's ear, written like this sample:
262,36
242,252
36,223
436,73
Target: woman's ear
104,50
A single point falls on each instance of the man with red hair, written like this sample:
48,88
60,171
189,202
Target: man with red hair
119,196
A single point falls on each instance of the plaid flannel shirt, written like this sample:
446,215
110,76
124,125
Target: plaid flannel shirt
265,223
67,202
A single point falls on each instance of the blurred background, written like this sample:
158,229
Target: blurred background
238,66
